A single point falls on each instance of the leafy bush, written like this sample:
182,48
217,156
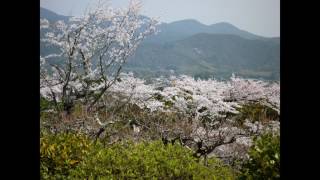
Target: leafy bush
61,153
44,104
221,170
256,112
74,156
148,161
264,160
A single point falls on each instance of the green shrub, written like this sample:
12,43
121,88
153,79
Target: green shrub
221,170
45,104
74,156
61,153
148,161
264,160
256,112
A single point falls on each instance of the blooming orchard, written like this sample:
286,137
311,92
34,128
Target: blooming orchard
185,94
91,52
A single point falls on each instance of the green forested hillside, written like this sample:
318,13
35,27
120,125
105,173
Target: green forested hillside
207,55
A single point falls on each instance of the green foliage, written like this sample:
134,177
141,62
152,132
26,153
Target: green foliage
74,156
45,104
256,112
168,104
147,161
158,97
61,153
219,56
221,170
264,160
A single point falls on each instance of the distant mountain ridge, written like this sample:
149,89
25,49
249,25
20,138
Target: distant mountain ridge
190,47
206,55
185,27
181,29
52,16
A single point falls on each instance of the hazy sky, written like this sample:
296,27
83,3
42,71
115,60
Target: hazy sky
261,17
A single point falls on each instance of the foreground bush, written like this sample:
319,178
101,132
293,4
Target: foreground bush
264,160
148,161
61,153
68,156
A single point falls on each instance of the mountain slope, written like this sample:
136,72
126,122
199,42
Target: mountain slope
51,16
182,29
207,55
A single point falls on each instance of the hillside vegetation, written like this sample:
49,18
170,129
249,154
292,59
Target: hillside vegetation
98,122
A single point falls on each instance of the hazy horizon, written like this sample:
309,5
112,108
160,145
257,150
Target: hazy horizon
258,17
